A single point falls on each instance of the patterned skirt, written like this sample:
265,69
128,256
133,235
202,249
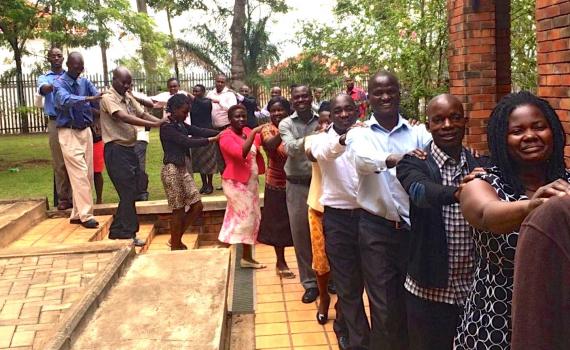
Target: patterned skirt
320,259
275,229
179,186
204,159
242,217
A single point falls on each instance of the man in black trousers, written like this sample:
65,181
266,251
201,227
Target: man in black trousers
120,113
442,251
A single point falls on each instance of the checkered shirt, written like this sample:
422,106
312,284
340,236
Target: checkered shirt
460,244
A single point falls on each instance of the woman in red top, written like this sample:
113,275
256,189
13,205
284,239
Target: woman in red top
240,147
275,229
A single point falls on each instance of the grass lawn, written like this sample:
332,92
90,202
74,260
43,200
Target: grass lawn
30,160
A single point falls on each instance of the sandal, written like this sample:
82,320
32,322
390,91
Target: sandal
286,273
250,265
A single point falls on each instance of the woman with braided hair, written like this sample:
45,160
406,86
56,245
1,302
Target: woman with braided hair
526,142
178,184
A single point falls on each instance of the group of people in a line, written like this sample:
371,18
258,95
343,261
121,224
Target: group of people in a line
454,250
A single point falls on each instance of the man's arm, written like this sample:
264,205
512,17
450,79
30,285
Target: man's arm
44,87
367,160
293,147
327,148
423,191
65,99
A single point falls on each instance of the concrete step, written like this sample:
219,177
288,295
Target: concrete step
59,230
160,242
17,217
170,300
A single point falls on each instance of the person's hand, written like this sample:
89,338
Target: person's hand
258,128
418,153
214,138
470,177
96,97
161,121
557,188
414,122
474,152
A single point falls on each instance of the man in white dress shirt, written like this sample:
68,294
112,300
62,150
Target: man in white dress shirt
384,219
341,217
222,99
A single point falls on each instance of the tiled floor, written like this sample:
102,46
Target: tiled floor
282,321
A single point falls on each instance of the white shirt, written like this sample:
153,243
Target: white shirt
379,191
226,99
339,177
161,100
142,134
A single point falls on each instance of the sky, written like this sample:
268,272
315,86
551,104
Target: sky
282,27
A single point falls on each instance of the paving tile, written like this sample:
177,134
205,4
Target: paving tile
268,289
270,307
295,305
270,317
305,327
304,315
304,339
316,347
272,341
24,338
269,297
6,333
271,328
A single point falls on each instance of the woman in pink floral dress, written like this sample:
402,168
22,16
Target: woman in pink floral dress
240,147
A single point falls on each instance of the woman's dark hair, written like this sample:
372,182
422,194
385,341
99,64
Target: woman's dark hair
281,100
176,101
234,108
497,131
325,107
201,87
171,80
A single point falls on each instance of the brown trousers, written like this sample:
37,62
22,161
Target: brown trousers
62,184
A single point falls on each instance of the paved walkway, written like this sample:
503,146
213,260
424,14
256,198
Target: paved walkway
282,321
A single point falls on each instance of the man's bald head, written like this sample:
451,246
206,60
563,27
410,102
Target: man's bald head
75,64
447,99
122,80
344,112
275,91
447,122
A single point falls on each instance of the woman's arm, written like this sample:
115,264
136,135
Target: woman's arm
249,141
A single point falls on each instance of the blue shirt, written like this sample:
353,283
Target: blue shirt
70,105
49,98
379,191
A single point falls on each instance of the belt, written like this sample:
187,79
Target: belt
73,127
349,212
299,180
397,225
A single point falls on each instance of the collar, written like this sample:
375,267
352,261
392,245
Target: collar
67,77
441,158
295,115
219,93
50,72
117,95
374,125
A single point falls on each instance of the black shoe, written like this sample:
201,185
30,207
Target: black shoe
75,221
310,295
91,223
331,288
322,318
209,190
202,190
342,342
138,242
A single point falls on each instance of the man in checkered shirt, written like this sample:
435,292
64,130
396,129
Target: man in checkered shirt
441,260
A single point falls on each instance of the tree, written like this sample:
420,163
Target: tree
237,31
407,37
524,74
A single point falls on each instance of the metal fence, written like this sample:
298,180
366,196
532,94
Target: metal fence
12,115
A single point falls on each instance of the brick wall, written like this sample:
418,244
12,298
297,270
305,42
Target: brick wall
208,226
479,60
553,36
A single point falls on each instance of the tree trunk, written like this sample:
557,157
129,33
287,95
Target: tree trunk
103,46
173,42
25,128
149,61
237,32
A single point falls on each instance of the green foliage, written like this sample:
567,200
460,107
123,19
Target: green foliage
524,73
406,37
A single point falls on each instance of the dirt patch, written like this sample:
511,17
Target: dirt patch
29,163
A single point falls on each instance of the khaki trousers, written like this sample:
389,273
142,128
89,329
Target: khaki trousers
62,184
77,150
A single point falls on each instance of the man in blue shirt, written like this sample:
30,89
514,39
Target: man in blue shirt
75,101
384,227
45,88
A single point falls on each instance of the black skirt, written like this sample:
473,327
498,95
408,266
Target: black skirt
274,229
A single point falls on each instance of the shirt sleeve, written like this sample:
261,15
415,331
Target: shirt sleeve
200,132
109,105
64,99
42,80
169,132
327,147
293,147
367,159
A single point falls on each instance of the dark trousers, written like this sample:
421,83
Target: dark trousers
124,170
140,151
384,254
341,244
431,325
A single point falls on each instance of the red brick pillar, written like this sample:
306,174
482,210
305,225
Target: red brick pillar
553,35
479,60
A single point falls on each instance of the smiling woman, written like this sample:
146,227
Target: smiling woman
526,140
